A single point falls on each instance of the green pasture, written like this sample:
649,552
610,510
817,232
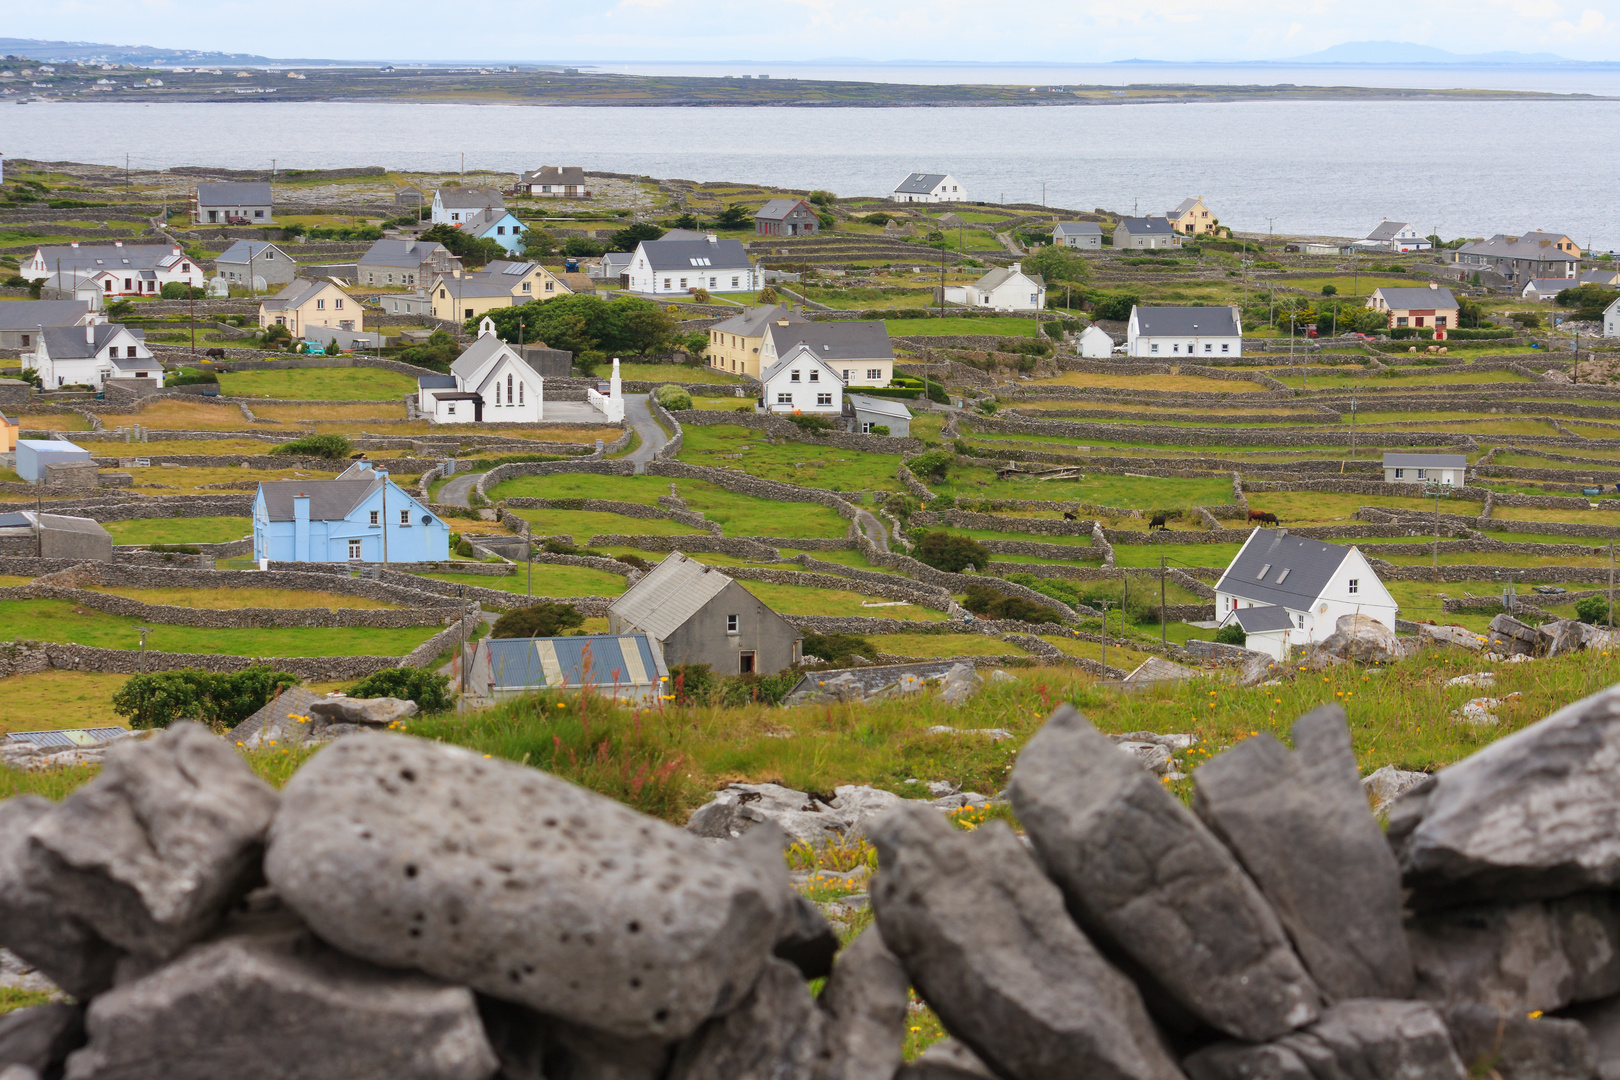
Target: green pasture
319,384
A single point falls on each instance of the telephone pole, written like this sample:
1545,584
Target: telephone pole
1164,611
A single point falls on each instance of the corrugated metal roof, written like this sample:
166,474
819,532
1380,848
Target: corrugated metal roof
1276,568
669,594
624,660
69,738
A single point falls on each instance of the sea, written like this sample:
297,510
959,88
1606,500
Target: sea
1291,167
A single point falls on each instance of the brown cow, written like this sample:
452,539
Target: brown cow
1256,515
217,354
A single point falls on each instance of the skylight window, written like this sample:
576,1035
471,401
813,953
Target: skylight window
1282,577
1261,576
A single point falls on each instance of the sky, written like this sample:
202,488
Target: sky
1077,31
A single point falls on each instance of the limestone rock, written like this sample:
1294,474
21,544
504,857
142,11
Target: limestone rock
945,1060
520,885
807,940
18,1072
1601,1019
961,683
1363,640
18,974
32,924
41,1038
1480,711
1145,878
1154,758
1459,636
738,808
1482,680
774,1033
1510,637
1563,636
1384,785
377,712
1299,824
152,852
1519,1048
861,805
578,1053
1534,815
274,1002
985,940
865,1001
1539,955
1378,1040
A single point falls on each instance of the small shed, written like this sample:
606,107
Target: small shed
1266,629
1095,344
33,455
625,667
54,536
869,412
8,434
1448,469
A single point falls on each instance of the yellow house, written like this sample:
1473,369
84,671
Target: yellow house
309,302
1558,240
8,435
498,285
734,344
1192,218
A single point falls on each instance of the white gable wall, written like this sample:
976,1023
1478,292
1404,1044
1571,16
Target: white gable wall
1313,622
804,384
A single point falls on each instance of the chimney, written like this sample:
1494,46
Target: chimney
118,243
89,334
301,527
74,244
1016,267
1434,285
713,239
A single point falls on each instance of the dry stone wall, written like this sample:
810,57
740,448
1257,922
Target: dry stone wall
778,428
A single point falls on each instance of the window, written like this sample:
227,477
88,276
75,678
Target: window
846,375
520,393
1154,347
455,217
683,283
129,351
1423,474
815,375
374,517
666,283
337,304
1282,577
509,389
734,282
866,429
1301,619
793,376
450,410
1441,321
469,314
1175,348
25,340
258,213
823,399
527,287
1225,347
320,305
784,399
1209,348
1399,473
1355,585
714,283
1400,320
500,230
405,516
442,294
731,624
1261,576
354,549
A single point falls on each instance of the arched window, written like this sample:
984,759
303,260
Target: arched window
520,393
509,389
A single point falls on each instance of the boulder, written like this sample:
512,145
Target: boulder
1375,1040
807,940
375,712
1384,785
18,974
1515,1047
961,683
1601,1019
1482,680
1510,637
1480,711
774,1033
521,885
1563,636
579,1053
1299,823
32,925
1363,640
41,1038
860,806
1429,634
738,808
18,1072
1539,955
865,1001
1535,815
985,940
1147,880
152,852
945,1060
269,1001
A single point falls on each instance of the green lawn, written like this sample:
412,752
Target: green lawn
794,463
943,645
549,580
190,530
675,373
1004,327
1179,554
738,515
808,600
60,620
1351,286
583,524
319,384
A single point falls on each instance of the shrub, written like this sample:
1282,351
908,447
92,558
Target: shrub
989,603
464,548
224,699
672,397
935,464
324,446
951,553
692,684
823,198
191,377
1593,609
701,295
627,238
542,620
174,549
816,425
880,429
429,689
1232,634
1116,306
878,218
1527,319
758,689
179,290
1267,264
1330,290
634,560
274,335
837,648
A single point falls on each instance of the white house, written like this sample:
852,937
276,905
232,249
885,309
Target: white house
491,384
1426,469
1095,344
1003,288
89,355
1396,236
859,352
460,205
1268,630
928,188
118,269
1314,582
1611,320
802,382
1544,289
1188,332
661,267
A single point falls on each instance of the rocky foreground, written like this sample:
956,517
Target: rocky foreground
406,909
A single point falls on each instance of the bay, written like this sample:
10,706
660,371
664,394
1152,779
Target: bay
1329,168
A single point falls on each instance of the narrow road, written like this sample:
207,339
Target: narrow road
869,524
455,492
639,414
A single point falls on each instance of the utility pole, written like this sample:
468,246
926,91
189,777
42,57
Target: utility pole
1352,427
1164,610
1104,604
1611,586
191,300
143,631
461,595
529,589
385,517
1437,532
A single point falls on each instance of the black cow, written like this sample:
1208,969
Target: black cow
1158,522
1070,516
1268,519
217,354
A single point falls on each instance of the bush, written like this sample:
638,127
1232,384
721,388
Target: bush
464,548
429,689
990,603
880,429
1116,306
542,620
1232,634
223,699
692,684
815,425
672,397
1593,610
174,549
837,649
1330,290
823,198
634,560
951,553
758,689
179,290
878,218
1267,264
701,295
275,335
934,465
1527,319
769,295
191,377
324,446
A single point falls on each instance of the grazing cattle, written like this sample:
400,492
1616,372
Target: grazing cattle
1069,515
1268,519
1158,522
1256,515
217,354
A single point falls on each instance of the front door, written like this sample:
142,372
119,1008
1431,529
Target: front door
747,663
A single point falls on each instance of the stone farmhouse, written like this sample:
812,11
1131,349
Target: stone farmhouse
1184,331
405,262
1312,581
54,536
1517,258
360,516
786,217
700,616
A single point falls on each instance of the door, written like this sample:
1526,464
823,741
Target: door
747,663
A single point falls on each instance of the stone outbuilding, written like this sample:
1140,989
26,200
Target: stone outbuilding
54,536
700,616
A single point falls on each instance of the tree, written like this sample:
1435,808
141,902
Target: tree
1232,634
951,553
1588,300
471,249
735,216
823,198
275,335
429,689
836,648
538,243
1056,263
581,247
542,620
1330,290
768,295
436,353
583,324
327,445
687,220
1116,306
626,239
1470,314
991,603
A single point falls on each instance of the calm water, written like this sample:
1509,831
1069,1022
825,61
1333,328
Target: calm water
1325,168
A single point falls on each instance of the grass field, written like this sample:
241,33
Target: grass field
1574,516
549,580
793,463
197,530
225,599
1004,327
299,414
1340,382
54,422
1216,555
945,645
175,414
583,524
671,373
319,384
51,700
1186,384
807,600
60,620
1329,508
738,515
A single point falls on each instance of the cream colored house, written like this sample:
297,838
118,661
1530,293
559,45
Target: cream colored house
498,285
734,344
8,434
311,302
1192,218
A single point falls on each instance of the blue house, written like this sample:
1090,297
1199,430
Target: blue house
362,515
497,224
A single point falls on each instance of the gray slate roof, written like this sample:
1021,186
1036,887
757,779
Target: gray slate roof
556,174
832,341
329,500
96,257
30,314
407,253
1424,297
1077,228
477,354
463,197
1194,321
919,183
1185,205
236,193
1386,230
1146,226
297,291
68,342
436,382
669,594
690,255
752,322
997,276
1537,246
242,250
777,209
1425,461
1259,620
1295,570
879,406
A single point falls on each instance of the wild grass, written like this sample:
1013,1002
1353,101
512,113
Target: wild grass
301,414
794,463
1329,508
811,600
549,580
737,514
583,524
176,414
1004,327
1185,383
58,699
191,530
319,384
1571,515
673,373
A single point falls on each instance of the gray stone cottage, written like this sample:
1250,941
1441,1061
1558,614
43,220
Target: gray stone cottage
701,616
